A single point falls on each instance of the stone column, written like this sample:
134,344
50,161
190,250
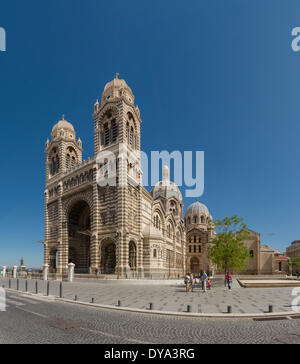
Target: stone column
125,257
45,272
63,251
71,269
140,266
46,253
47,229
95,225
15,272
4,271
174,257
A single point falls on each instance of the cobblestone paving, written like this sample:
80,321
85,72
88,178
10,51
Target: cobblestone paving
31,320
168,297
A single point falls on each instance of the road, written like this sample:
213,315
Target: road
30,320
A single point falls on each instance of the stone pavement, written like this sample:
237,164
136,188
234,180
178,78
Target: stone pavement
168,297
32,320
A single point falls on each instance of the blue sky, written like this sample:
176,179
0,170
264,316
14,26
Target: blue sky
218,76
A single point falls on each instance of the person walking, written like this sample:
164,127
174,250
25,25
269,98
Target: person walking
187,280
192,282
209,284
229,281
203,279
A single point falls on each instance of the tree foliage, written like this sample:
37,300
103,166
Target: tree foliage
294,263
227,249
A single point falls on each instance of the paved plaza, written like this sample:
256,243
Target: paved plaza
30,320
168,295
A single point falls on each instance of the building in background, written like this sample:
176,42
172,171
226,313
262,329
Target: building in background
293,251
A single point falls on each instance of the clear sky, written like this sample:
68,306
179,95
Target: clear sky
218,76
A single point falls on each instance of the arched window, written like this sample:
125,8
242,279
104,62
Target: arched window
251,253
169,231
173,207
114,131
154,253
131,135
68,161
54,162
189,220
132,256
106,134
132,138
202,219
195,219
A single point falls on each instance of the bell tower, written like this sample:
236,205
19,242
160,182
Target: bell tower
116,119
117,126
63,151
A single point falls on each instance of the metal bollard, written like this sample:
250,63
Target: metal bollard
18,283
61,290
26,286
36,287
48,288
9,283
151,306
229,309
271,309
189,308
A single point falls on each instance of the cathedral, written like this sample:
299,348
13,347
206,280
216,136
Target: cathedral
123,230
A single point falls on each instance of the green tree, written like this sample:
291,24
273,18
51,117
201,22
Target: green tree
227,249
294,263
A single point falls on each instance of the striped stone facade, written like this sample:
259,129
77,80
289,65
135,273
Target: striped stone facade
108,229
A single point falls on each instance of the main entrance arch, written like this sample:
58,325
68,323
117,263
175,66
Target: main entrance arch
53,259
79,229
108,257
195,266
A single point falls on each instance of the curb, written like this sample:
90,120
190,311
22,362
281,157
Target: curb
163,313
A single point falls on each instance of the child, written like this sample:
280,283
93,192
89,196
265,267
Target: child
209,284
187,281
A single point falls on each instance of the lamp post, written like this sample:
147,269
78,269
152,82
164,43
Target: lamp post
118,239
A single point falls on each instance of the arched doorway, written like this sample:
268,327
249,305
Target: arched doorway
108,257
53,255
79,228
195,266
132,256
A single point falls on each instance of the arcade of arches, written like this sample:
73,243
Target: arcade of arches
79,229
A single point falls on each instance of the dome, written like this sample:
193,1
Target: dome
63,129
197,209
117,88
166,188
115,83
63,124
